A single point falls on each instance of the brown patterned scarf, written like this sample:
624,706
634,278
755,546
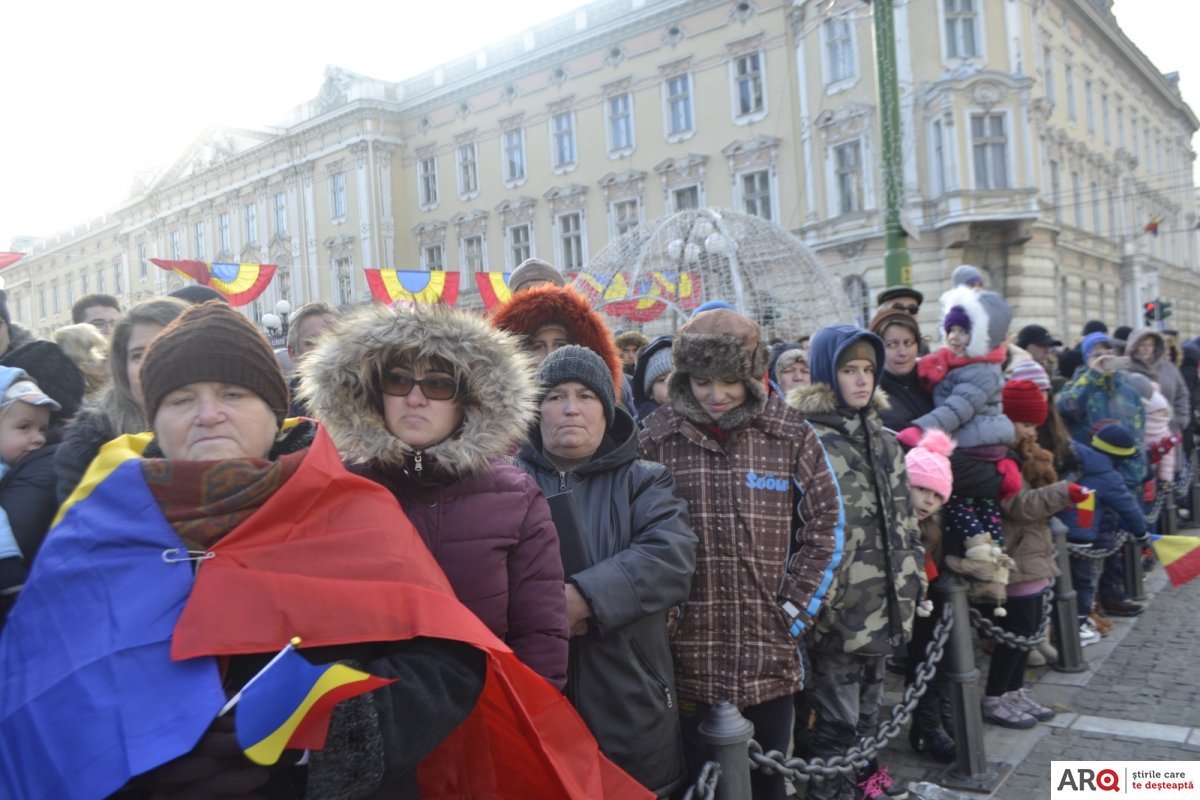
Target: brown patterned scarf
204,500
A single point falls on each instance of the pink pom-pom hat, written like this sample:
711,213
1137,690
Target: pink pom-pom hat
929,463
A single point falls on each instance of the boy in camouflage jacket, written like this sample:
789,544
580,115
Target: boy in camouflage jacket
881,577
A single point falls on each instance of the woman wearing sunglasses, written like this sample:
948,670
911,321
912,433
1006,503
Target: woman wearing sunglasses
428,403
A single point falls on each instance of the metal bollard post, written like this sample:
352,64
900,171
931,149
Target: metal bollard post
727,734
1170,512
971,769
1066,608
1135,585
1194,503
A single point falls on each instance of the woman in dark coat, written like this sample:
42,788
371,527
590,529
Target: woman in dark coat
428,404
628,553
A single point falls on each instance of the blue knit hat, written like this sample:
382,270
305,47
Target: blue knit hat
1091,340
1116,441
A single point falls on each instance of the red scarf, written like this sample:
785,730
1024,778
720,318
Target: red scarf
934,367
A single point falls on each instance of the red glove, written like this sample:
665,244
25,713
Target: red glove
1078,493
909,436
1010,477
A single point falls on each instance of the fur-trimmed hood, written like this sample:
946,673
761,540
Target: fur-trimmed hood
533,309
818,400
990,317
339,382
715,344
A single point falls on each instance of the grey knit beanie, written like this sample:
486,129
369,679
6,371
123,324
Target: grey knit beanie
575,363
967,275
534,269
658,365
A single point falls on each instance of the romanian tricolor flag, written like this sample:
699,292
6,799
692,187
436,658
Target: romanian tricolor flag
1152,226
8,259
641,300
288,704
413,286
109,660
240,283
1180,556
1086,511
493,288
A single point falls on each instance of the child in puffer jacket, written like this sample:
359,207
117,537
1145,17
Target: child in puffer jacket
966,379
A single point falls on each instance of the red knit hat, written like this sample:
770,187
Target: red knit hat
1024,402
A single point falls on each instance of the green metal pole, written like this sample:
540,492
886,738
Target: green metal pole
897,264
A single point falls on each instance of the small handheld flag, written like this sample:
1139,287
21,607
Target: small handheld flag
288,704
1086,510
1180,557
1152,226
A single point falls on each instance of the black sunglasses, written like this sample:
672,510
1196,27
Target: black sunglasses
911,308
400,385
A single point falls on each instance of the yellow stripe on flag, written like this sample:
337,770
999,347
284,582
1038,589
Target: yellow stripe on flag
267,751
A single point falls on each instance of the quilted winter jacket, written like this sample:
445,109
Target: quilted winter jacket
767,483
1115,505
1093,396
485,521
642,553
881,575
966,406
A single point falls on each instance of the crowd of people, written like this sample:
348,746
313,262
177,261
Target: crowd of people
530,518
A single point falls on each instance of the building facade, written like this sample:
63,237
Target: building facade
1039,144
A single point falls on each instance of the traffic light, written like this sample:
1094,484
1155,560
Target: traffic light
1164,309
1150,311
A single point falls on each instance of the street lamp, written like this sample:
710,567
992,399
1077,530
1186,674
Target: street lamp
277,323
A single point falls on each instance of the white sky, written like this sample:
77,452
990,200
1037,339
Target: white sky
91,92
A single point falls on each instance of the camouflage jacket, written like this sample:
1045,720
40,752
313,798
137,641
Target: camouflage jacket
881,575
745,495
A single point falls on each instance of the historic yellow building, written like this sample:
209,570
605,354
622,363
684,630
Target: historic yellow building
1039,143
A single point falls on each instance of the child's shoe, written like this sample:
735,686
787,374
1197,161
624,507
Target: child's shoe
998,712
875,783
1021,700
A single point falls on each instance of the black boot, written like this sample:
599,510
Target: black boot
926,735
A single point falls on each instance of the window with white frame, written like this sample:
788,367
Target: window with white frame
223,230
563,127
281,214
42,300
847,164
57,301
680,119
1096,208
1133,139
1089,106
1112,213
989,142
1077,199
756,193
937,146
685,197
250,216
514,155
345,281
199,236
858,292
625,216
337,195
1120,127
431,257
101,281
70,292
427,182
83,282
748,77
118,280
1104,118
841,64
570,241
176,248
962,22
143,262
1048,75
620,124
471,249
1069,82
1056,189
520,245
468,170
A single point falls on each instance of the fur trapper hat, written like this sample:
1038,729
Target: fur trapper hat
533,309
719,344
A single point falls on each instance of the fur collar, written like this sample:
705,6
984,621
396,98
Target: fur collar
818,399
338,381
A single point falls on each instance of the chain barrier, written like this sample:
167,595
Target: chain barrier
991,631
798,769
1156,509
705,787
1096,554
1184,484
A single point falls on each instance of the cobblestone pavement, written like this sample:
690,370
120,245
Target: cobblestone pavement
1139,699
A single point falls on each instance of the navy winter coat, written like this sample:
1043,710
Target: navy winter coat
1116,506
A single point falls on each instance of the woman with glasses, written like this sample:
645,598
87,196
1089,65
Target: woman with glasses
428,403
902,343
